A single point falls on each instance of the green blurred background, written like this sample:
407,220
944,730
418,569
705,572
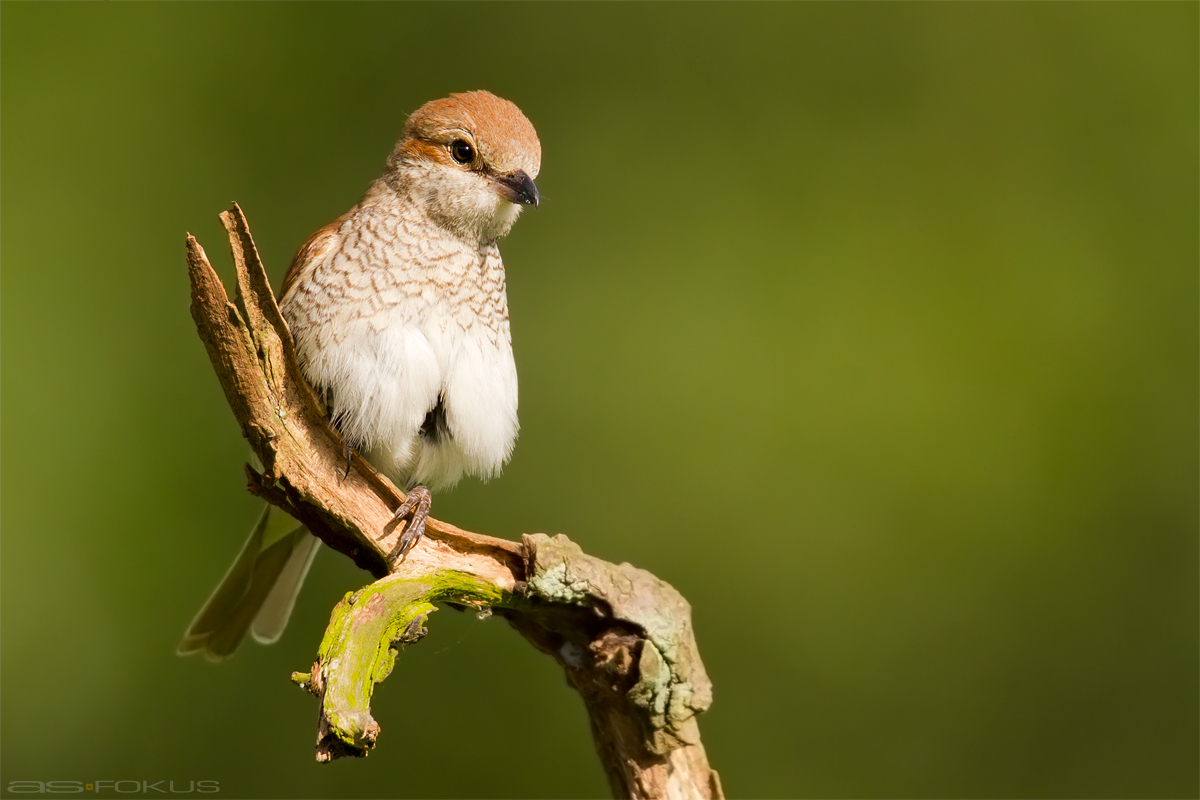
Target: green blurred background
872,328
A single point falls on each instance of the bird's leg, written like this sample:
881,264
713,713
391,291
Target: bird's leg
415,509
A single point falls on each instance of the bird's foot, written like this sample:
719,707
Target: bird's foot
415,509
347,452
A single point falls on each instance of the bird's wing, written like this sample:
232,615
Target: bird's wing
311,254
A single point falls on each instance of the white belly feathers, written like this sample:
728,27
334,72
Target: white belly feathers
392,373
405,331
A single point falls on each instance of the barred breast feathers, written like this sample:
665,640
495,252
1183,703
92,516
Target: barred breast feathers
311,253
390,318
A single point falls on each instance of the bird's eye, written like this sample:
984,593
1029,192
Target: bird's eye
462,152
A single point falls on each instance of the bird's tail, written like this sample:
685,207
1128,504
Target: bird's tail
258,592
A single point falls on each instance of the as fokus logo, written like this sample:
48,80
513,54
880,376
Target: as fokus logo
163,787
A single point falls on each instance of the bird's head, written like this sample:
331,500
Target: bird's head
470,160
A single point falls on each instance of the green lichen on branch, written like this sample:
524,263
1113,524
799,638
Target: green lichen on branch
360,646
672,686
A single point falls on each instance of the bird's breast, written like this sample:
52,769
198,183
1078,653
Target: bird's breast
393,337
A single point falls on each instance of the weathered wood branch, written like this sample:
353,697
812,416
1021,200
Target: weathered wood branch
623,637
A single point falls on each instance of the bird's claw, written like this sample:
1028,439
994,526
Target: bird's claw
415,509
348,451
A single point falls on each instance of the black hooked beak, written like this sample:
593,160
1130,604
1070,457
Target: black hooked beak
517,187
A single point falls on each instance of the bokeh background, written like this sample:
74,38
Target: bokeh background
872,328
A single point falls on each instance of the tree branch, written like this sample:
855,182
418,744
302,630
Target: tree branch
623,637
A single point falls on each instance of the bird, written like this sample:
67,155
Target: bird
399,313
